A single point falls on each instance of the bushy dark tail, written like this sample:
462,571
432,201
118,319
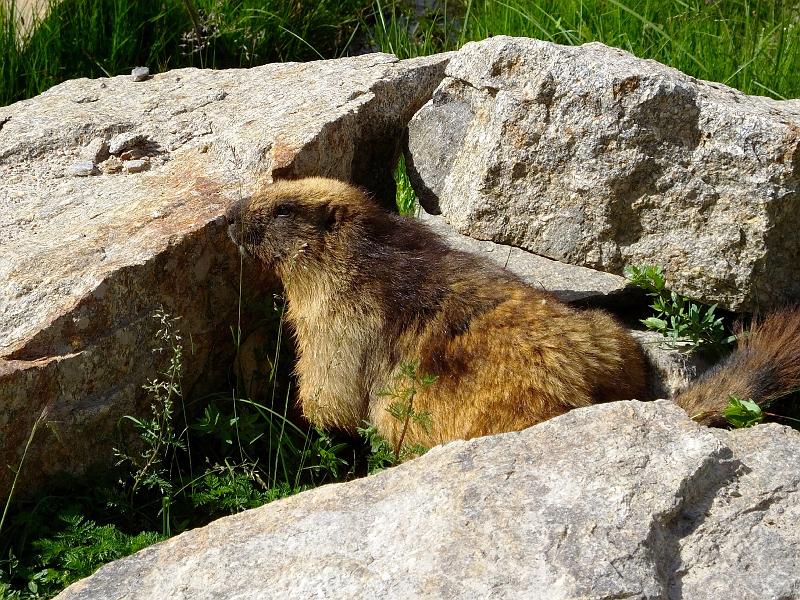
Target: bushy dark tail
764,367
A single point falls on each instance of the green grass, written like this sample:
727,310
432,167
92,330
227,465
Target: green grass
187,463
94,38
393,28
752,46
406,198
181,468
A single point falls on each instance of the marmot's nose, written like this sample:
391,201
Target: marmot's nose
234,213
234,219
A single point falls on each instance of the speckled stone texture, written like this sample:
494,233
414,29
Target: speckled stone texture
623,500
591,156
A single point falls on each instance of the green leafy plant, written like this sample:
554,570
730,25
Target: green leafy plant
407,384
160,442
324,455
244,428
688,325
258,454
406,198
174,471
71,547
746,413
230,488
81,547
742,413
381,453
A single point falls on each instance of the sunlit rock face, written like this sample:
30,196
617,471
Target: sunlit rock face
111,205
591,156
621,500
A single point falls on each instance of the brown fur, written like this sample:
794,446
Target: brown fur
765,367
369,291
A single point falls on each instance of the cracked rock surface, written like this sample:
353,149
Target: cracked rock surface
591,156
111,205
623,500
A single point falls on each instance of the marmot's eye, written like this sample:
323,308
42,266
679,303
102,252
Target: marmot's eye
283,210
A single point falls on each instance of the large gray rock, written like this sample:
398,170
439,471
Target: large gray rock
591,156
88,254
625,500
569,283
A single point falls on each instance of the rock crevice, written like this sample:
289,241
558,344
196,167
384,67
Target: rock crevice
112,207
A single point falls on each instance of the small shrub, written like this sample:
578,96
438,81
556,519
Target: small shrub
742,413
324,456
79,549
151,469
238,454
687,325
407,385
746,413
66,547
250,453
230,488
380,453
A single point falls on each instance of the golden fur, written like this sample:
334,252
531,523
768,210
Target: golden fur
765,367
369,292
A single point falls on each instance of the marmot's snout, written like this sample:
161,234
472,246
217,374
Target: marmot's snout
234,219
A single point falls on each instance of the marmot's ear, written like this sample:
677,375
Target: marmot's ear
336,214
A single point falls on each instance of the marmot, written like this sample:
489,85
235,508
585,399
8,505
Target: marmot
370,292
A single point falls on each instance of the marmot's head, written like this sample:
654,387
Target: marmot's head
288,222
